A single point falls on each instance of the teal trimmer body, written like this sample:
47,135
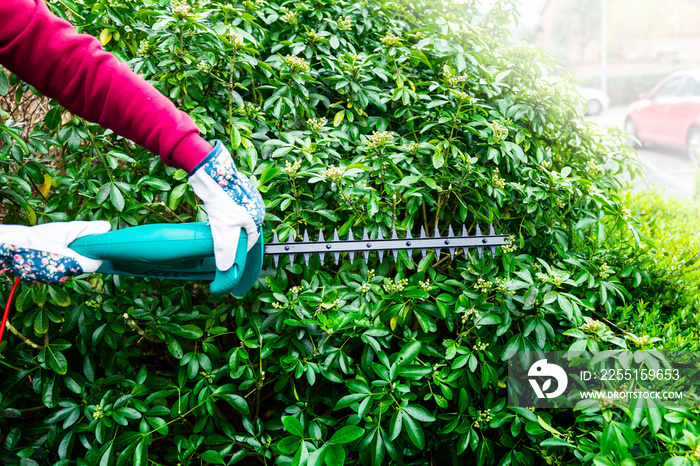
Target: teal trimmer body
176,251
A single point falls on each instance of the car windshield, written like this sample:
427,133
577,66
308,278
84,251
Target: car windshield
691,88
670,88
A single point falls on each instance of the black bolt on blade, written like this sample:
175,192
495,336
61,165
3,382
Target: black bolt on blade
408,245
368,245
365,237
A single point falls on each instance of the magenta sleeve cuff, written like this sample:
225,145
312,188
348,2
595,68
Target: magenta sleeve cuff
190,152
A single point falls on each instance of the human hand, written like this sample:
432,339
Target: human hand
232,203
41,253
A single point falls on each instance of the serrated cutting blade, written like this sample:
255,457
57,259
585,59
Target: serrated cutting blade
382,245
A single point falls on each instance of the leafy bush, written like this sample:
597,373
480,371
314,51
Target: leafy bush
667,295
396,115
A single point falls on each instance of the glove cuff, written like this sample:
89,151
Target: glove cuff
39,266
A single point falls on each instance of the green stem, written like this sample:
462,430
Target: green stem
179,417
454,122
10,366
102,159
169,220
381,169
67,7
22,337
355,210
230,96
295,193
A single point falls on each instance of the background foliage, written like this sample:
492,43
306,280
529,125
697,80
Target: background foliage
348,115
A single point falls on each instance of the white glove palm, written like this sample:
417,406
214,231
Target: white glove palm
41,253
231,201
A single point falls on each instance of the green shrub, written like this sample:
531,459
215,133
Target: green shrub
666,290
393,115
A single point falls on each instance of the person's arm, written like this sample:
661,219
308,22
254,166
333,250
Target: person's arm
48,53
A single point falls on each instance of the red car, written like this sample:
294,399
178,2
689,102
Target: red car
669,114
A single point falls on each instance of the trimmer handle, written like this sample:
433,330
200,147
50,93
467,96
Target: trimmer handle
182,251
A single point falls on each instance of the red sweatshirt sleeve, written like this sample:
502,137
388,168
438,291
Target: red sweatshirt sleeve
48,53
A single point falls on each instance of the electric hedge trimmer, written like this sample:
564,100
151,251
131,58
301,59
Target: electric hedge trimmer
186,251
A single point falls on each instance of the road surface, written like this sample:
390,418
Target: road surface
665,167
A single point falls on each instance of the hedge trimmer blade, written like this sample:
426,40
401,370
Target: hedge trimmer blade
381,245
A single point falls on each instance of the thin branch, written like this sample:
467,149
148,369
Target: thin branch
22,337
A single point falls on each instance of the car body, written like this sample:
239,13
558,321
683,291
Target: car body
597,101
669,114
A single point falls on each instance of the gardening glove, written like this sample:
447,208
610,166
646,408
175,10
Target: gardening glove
41,253
232,203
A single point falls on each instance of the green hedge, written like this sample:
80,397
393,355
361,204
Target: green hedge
666,303
348,115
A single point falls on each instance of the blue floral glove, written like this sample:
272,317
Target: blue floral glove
231,201
41,254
